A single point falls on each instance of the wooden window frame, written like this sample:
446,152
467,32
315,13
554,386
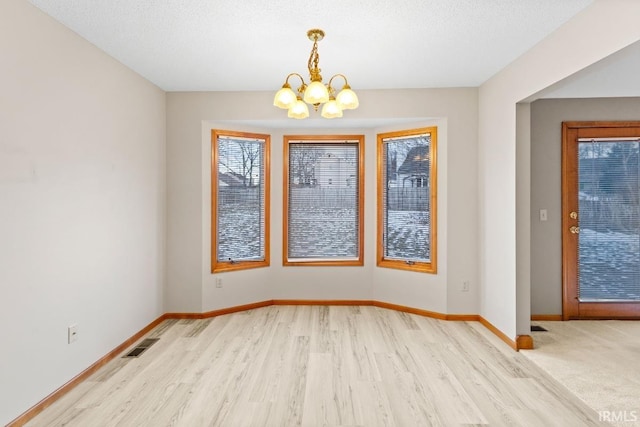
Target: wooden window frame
287,139
223,266
381,261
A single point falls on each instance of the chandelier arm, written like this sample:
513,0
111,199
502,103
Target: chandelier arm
298,75
338,75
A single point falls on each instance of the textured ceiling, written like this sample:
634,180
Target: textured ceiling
198,45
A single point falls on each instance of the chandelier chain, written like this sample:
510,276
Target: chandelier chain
314,60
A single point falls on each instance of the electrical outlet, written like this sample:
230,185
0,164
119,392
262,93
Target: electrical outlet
218,282
72,333
465,286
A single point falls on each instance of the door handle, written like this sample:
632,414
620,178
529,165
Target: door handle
573,215
574,229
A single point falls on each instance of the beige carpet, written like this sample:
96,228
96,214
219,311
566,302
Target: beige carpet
598,361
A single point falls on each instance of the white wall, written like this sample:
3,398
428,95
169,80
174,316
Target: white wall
574,46
81,205
523,219
191,116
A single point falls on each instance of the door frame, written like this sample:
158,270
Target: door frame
572,308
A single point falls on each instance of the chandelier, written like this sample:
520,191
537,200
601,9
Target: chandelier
315,93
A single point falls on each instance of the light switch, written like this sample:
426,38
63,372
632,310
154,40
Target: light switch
543,214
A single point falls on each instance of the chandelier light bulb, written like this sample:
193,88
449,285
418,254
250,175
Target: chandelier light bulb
299,110
285,97
347,99
331,109
316,93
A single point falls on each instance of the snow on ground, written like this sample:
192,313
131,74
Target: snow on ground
609,265
609,262
321,233
408,235
239,233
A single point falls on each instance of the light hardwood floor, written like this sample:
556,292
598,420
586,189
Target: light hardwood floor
316,366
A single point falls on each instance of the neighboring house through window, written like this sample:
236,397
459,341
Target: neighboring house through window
407,200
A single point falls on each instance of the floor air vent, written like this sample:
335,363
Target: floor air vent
142,347
537,328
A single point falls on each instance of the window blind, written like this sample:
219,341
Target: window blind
323,218
406,195
609,220
240,199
